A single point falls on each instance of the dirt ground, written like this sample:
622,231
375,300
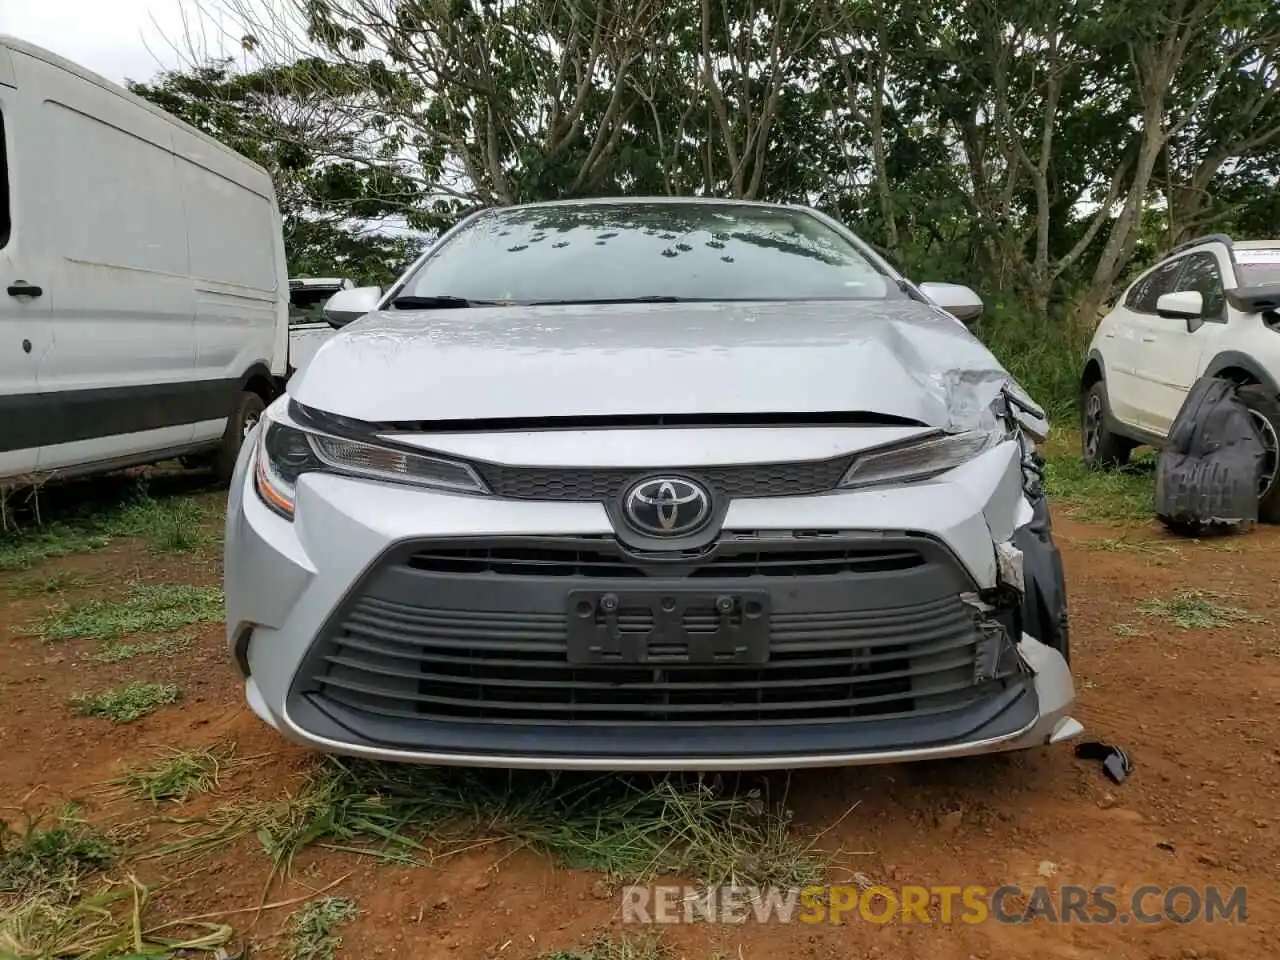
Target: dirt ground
1196,709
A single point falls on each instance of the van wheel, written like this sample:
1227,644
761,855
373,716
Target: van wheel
1265,411
1102,449
248,410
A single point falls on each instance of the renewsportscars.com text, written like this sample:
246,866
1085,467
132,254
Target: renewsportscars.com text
1148,904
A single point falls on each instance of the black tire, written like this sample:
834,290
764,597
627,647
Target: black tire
248,409
1265,408
1101,449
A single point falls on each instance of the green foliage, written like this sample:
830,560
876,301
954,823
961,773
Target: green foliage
990,142
128,703
1100,496
178,775
629,828
312,936
1198,610
50,860
103,512
147,607
1044,356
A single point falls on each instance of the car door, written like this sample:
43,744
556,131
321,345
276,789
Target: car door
1116,339
24,310
1133,398
1170,349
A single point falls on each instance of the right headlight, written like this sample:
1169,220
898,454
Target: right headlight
921,459
286,452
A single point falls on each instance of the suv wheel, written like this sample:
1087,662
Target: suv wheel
1265,410
1102,449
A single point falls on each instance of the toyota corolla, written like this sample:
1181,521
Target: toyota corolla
650,484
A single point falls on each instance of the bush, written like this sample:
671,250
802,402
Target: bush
1046,355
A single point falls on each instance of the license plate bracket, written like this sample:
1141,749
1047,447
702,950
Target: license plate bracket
670,627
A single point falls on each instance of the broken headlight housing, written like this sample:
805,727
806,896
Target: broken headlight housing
285,452
1011,416
920,459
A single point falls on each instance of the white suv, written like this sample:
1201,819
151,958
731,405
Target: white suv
1211,308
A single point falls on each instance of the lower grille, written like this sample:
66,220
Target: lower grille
477,633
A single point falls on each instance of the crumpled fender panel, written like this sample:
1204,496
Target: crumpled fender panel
1207,475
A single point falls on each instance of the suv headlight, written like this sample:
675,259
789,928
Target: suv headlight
920,459
285,452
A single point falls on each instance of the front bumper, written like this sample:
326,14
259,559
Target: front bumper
371,627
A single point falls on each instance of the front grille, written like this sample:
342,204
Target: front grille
602,559
795,479
476,633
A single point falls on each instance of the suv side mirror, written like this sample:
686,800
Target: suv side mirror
957,299
1185,305
347,305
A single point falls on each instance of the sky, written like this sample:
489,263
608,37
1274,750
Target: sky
120,39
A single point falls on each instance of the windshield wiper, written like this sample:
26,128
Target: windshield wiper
433,303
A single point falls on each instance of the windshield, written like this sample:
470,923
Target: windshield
635,251
1258,267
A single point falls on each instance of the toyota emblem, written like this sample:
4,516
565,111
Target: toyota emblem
667,506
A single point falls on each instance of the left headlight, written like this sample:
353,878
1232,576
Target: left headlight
285,452
921,459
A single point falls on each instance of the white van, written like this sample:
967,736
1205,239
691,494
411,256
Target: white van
144,312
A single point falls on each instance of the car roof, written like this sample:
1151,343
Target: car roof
1256,244
656,199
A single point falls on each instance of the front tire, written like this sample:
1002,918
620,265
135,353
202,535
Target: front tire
244,417
1101,448
1265,410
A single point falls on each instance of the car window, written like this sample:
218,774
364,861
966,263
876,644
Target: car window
623,251
306,304
1200,273
1151,287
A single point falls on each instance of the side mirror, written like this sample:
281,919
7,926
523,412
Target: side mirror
1181,305
347,305
957,299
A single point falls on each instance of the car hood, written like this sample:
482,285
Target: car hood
900,359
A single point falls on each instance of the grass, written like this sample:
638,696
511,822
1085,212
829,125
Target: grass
1046,356
312,934
1197,610
173,524
147,608
55,582
127,703
105,925
111,652
178,775
1155,548
1101,496
626,828
51,861
635,946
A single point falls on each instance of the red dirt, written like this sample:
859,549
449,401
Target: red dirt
1195,708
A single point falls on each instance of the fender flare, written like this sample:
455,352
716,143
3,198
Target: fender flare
260,371
1095,356
1242,361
